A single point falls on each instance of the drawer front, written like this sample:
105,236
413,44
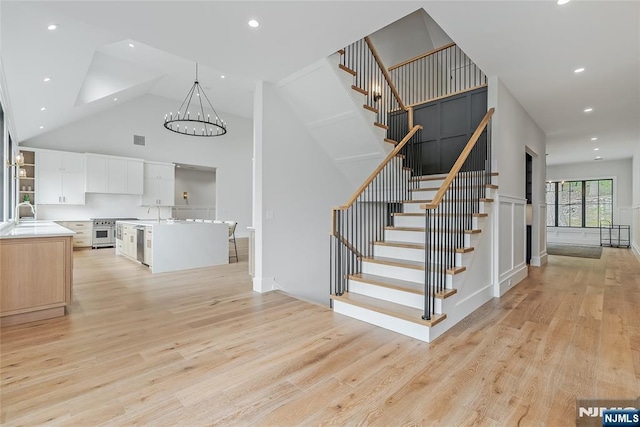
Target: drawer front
82,242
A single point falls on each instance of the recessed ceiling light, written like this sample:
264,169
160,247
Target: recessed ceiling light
598,158
588,110
41,127
561,2
578,70
52,27
115,99
595,138
596,149
254,24
46,79
222,77
131,45
43,108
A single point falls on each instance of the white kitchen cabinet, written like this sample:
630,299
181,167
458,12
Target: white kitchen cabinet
84,232
159,184
114,175
129,241
60,177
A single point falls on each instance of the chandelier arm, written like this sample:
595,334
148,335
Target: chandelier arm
210,105
201,107
186,98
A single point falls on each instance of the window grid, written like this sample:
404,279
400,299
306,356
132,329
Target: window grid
580,204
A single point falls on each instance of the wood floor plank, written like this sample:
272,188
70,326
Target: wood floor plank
201,348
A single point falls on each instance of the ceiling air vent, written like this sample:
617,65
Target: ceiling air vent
138,140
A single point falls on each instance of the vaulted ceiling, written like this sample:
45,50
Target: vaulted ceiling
103,50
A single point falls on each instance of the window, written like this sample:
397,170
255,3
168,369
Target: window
585,203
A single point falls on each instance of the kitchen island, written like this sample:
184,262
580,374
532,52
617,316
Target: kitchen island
36,271
173,245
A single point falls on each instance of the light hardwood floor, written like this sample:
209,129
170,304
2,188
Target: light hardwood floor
199,348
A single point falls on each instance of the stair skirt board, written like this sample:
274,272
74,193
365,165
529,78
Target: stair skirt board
401,326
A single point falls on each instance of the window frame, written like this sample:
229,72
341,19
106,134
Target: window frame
583,184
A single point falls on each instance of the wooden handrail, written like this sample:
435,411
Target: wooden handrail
384,163
385,73
424,55
458,164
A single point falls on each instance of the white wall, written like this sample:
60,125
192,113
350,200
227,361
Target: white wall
621,173
513,134
635,220
296,185
200,187
111,132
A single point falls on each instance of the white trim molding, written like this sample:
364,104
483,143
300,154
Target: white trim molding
511,237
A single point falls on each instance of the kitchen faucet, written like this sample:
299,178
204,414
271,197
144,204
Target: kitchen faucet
17,216
157,207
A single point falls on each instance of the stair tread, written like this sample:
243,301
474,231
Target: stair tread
419,246
420,214
436,177
401,285
415,265
399,311
347,69
483,199
360,90
391,141
381,125
492,186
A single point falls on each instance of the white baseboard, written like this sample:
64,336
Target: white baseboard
636,250
539,261
511,278
264,284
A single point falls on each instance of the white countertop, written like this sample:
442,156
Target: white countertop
27,229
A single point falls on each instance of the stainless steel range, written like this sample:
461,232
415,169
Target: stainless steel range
104,232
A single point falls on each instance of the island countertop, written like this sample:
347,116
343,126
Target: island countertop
31,229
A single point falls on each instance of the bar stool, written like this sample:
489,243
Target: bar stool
232,236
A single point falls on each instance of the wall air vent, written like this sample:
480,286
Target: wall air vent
138,140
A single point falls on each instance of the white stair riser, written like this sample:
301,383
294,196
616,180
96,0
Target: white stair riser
409,254
419,221
446,207
416,237
409,299
400,326
401,273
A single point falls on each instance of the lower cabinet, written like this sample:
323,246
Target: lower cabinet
148,247
84,232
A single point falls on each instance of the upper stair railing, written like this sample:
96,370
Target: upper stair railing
449,216
372,79
361,221
435,74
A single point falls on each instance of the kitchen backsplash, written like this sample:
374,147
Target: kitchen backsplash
101,206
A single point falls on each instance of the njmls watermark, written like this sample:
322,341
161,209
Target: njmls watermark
608,412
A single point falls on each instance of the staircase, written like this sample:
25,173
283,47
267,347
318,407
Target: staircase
412,253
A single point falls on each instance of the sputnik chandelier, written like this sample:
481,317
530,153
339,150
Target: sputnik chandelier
191,118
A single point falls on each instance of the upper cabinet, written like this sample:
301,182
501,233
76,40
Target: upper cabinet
159,184
60,177
110,174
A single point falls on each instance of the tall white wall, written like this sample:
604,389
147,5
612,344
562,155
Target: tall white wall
111,132
618,170
635,219
514,133
297,184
